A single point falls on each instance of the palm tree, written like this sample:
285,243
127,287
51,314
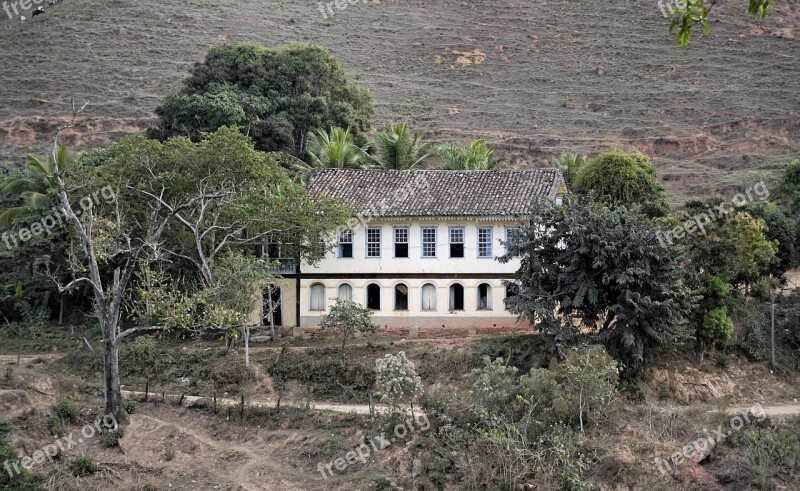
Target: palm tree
330,150
569,164
477,155
35,187
399,150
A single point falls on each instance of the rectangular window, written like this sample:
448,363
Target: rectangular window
428,241
456,241
374,242
511,235
346,243
485,242
401,242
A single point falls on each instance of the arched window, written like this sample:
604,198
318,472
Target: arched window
457,297
317,297
373,296
345,292
484,297
428,297
401,297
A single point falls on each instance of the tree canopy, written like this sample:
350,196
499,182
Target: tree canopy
604,266
623,179
276,96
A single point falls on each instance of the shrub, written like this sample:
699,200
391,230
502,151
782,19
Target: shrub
66,410
169,454
491,388
755,344
56,426
666,390
83,466
397,380
130,406
110,438
24,481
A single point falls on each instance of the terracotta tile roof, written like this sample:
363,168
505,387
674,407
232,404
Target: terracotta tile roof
419,193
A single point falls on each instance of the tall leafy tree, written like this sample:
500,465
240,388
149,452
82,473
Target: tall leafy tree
606,267
276,96
789,189
476,155
623,179
203,203
734,245
398,149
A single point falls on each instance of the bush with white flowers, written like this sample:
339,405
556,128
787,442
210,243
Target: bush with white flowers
398,382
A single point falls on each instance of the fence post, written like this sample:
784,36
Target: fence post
773,333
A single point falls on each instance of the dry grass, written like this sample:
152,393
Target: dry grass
525,74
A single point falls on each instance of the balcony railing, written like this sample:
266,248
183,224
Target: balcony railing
282,266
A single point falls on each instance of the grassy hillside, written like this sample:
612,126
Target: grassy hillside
537,77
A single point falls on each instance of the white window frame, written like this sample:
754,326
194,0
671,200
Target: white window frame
311,297
407,230
380,240
422,297
450,242
422,239
342,241
484,243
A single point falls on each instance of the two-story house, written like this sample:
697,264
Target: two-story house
422,253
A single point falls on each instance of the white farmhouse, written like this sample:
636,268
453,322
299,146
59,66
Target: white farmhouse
422,254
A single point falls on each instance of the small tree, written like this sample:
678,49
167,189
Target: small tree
397,380
588,379
349,318
716,326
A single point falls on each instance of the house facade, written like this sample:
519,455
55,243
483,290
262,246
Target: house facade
422,252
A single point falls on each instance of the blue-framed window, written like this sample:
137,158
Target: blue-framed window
346,243
511,235
374,242
401,242
484,241
428,241
456,241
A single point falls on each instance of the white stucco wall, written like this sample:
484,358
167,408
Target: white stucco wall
469,271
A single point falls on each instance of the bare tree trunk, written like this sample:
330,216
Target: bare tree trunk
113,394
271,316
580,406
247,346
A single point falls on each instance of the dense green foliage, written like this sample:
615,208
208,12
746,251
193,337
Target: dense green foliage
606,267
279,97
398,149
623,179
476,155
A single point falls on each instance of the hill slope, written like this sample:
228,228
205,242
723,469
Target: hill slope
537,77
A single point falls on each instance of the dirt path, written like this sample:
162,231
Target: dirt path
28,358
228,463
270,403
